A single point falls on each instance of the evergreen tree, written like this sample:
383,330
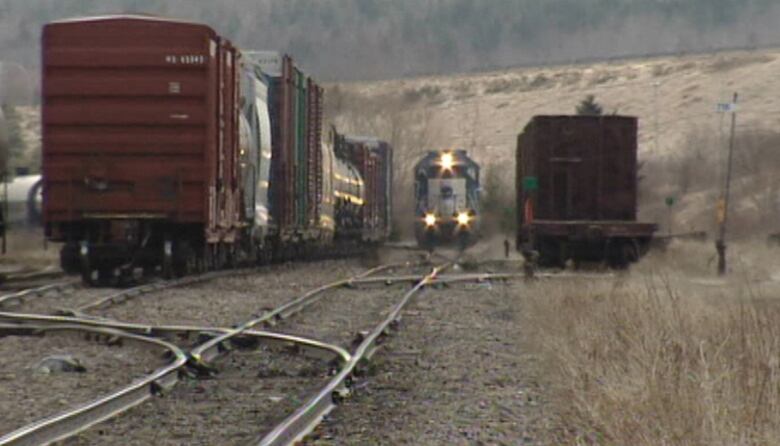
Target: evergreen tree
589,107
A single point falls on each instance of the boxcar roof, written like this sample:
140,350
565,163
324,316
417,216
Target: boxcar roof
131,17
584,117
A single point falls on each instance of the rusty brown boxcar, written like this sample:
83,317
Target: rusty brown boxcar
140,146
164,146
373,159
577,190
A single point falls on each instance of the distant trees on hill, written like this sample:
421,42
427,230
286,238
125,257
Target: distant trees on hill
366,39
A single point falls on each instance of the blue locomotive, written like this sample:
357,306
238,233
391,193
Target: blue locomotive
446,188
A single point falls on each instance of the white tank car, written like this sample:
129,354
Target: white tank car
24,199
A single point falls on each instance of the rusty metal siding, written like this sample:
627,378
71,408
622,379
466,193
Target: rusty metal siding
138,118
314,153
373,160
296,118
586,168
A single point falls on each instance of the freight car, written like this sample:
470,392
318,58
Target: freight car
372,160
577,190
165,147
446,188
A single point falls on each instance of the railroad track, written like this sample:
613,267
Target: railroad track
306,418
218,339
206,345
28,279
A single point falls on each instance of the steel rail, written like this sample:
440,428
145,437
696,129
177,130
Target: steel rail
16,280
476,277
126,295
130,293
442,279
19,297
67,424
72,422
303,421
206,352
320,350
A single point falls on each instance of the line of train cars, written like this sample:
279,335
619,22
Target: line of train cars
166,148
577,191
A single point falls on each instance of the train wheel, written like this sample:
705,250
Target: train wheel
621,253
88,275
69,259
551,254
167,264
630,251
184,260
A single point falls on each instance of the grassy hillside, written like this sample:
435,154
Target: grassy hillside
682,137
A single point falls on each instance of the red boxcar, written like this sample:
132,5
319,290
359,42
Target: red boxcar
577,189
140,146
296,126
373,159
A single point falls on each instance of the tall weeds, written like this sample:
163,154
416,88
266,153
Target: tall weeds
652,359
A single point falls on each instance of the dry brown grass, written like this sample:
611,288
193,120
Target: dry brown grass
659,357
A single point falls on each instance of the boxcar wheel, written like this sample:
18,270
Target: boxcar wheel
550,255
621,253
69,259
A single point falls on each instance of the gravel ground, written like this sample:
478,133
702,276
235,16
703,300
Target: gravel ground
224,302
252,393
54,300
456,374
340,315
27,394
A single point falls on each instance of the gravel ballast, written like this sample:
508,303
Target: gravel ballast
252,392
29,393
456,374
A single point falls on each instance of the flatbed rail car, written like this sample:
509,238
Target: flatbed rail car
577,190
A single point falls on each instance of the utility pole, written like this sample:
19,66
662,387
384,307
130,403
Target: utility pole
655,115
720,244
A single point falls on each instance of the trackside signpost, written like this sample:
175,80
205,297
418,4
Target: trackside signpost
530,184
670,201
723,203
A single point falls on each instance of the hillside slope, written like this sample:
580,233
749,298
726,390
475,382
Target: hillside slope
682,137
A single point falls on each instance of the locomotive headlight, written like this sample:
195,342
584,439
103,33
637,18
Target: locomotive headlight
447,161
430,220
463,218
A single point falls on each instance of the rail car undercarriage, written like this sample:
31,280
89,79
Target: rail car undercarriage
119,251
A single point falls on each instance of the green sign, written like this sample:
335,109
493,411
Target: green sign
670,201
530,183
